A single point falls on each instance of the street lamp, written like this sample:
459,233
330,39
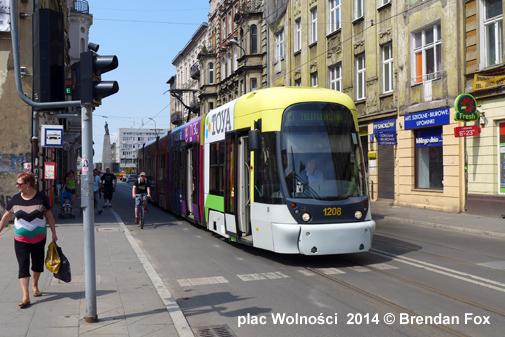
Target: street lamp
155,130
235,42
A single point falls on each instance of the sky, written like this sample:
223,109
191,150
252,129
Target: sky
145,36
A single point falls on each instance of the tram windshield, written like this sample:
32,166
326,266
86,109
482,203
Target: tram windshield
321,153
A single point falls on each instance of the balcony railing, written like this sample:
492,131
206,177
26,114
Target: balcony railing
255,6
80,6
176,118
194,71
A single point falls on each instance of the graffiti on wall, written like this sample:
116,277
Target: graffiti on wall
4,201
13,163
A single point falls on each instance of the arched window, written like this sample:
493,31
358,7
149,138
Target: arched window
254,39
211,73
83,45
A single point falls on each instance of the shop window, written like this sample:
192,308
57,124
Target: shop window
429,158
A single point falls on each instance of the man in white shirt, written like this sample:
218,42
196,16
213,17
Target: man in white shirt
311,172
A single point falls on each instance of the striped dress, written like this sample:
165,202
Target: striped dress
29,222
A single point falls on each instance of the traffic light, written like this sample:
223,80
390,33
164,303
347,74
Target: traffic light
93,89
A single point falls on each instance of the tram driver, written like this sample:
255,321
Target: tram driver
311,174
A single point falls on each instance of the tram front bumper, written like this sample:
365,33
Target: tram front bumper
342,238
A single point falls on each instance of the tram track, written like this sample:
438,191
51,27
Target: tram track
404,280
441,256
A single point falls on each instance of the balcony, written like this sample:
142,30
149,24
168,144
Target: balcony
177,118
194,71
80,6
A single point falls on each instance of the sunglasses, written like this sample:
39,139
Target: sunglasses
19,184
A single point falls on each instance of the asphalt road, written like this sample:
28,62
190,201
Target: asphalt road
416,281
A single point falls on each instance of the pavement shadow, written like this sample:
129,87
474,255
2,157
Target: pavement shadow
49,296
214,302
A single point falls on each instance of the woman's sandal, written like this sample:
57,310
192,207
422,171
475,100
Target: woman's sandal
24,303
37,293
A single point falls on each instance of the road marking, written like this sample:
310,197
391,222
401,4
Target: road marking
383,266
330,271
262,276
306,272
360,269
201,281
442,270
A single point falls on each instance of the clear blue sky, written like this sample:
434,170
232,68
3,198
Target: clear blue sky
145,36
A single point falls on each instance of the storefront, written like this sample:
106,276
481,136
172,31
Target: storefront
429,161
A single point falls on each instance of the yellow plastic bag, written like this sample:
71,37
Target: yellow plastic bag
53,261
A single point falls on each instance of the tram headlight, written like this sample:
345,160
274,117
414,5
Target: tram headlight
305,217
358,215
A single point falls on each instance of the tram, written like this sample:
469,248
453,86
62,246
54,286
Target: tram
280,169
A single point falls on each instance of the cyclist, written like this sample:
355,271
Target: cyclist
141,190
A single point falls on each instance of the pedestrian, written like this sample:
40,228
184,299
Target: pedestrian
32,212
109,181
97,187
140,192
70,185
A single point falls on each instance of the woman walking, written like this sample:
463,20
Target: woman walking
30,209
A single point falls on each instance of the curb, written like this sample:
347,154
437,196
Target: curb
442,226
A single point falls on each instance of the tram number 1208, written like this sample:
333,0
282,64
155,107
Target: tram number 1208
332,211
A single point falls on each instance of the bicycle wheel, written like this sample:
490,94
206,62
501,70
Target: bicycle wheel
141,217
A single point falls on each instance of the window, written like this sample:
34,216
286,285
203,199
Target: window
313,26
429,158
254,39
223,68
279,46
254,83
229,23
313,80
427,58
211,73
267,187
298,35
223,29
216,176
360,77
298,83
493,30
336,77
387,68
335,15
358,9
228,63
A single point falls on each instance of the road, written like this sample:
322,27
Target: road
416,281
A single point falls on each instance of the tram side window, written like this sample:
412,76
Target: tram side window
266,180
216,176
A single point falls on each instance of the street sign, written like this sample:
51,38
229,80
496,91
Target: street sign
466,131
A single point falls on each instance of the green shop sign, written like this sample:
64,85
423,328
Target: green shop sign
466,108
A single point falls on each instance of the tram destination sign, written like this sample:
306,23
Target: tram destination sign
466,131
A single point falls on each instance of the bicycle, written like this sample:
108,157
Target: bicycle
141,210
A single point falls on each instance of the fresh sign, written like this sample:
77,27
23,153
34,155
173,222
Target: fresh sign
466,108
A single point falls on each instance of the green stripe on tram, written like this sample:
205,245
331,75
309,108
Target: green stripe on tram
215,203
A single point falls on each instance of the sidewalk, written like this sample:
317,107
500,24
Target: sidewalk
463,222
131,298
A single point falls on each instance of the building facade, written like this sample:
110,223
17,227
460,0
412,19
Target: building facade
128,143
484,73
184,89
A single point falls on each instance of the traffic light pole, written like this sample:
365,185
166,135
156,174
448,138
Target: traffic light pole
88,214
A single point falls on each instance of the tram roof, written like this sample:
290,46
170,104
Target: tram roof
282,97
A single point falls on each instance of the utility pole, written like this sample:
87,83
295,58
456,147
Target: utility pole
88,214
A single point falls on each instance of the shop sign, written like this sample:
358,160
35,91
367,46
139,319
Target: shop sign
385,131
429,137
427,118
466,108
488,81
386,138
466,131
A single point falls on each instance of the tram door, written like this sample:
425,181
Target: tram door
243,186
189,182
